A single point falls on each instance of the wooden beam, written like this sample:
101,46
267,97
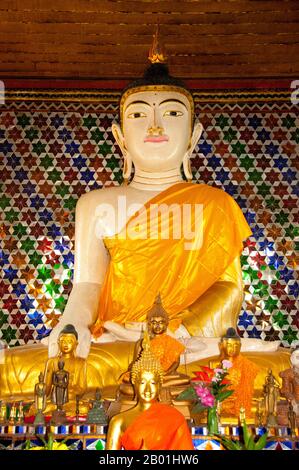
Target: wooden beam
282,16
96,71
200,59
139,52
94,6
144,32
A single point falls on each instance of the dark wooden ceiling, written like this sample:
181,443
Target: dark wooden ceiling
110,39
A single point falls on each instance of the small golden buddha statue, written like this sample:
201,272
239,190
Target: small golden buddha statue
74,365
148,425
241,375
271,395
166,349
3,413
40,400
56,369
13,414
242,416
20,418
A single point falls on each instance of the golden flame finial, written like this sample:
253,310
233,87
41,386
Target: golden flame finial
157,52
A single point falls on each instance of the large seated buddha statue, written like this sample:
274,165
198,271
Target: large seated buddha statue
157,233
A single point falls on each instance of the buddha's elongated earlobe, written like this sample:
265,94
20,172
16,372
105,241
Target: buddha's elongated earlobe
187,166
197,131
118,135
127,168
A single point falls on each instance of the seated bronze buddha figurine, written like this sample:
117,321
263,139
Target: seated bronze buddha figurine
119,268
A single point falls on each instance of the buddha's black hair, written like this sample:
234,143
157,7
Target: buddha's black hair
69,330
231,334
156,74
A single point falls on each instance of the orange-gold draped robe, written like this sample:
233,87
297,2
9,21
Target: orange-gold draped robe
161,427
241,376
141,267
166,349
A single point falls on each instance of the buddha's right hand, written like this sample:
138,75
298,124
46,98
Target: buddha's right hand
84,339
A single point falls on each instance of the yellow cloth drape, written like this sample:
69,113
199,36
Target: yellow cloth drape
141,267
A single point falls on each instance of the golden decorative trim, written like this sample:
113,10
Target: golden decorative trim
97,96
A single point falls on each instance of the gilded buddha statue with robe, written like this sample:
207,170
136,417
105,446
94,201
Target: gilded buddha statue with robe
122,261
167,351
149,425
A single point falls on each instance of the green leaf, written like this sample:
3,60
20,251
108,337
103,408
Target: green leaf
43,441
223,395
229,443
50,441
250,445
221,387
260,444
246,434
188,394
198,408
27,444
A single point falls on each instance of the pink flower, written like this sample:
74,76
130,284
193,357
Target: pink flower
218,371
206,398
226,364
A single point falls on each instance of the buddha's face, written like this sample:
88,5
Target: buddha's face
295,358
67,343
147,387
157,129
157,325
231,347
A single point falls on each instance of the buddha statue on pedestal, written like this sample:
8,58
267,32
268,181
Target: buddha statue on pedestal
65,365
149,425
40,400
158,233
97,414
241,376
271,395
167,351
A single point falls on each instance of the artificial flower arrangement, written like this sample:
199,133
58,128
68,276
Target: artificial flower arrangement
210,387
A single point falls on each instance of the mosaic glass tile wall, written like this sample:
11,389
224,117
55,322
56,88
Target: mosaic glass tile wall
51,152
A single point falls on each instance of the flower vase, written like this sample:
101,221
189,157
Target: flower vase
213,420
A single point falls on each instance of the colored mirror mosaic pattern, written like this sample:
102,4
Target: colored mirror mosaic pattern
53,151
